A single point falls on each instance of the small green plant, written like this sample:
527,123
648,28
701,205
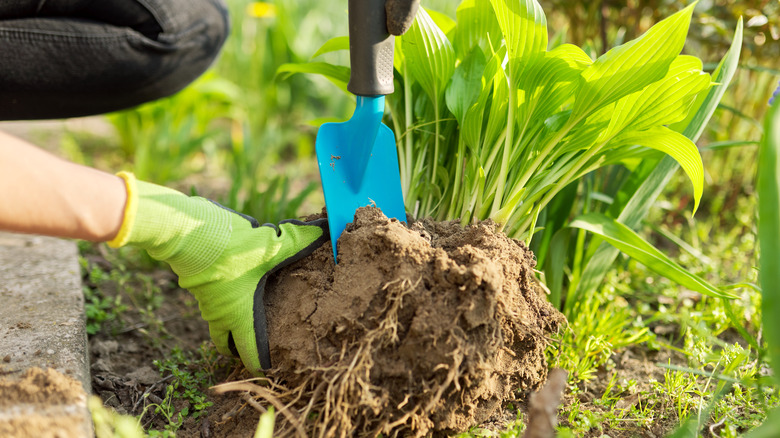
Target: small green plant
101,311
113,286
189,375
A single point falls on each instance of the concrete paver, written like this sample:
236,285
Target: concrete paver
42,321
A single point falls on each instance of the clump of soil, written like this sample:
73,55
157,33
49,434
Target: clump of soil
417,330
42,403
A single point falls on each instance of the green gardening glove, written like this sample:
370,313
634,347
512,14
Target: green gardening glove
224,258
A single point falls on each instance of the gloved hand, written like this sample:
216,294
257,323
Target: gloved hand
222,257
400,15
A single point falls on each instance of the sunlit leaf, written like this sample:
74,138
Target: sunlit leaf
477,27
332,45
630,243
663,102
677,146
631,67
337,74
443,21
549,81
523,25
429,55
639,205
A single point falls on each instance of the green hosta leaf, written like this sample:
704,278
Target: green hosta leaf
637,207
706,103
523,25
443,21
466,85
549,81
627,241
473,128
631,67
628,156
769,229
429,55
677,146
333,45
684,63
337,74
477,27
664,102
585,135
497,119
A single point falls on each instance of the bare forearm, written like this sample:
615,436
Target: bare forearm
43,194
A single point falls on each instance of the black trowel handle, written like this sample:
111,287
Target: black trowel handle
370,49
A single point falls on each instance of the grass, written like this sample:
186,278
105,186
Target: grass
637,311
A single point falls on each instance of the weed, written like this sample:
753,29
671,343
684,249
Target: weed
593,336
184,396
513,429
115,284
101,310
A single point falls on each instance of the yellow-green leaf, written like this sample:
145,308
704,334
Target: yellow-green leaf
677,146
429,55
632,66
630,243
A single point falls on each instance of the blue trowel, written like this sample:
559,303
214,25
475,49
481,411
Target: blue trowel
357,159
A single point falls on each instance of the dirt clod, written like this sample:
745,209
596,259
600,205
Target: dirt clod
41,386
418,330
42,403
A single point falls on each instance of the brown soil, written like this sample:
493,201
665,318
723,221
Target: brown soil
42,403
418,330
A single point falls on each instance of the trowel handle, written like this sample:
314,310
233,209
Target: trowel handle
370,49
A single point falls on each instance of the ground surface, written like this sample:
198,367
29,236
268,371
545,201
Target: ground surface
43,353
470,327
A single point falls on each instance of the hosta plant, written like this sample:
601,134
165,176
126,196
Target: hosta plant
491,122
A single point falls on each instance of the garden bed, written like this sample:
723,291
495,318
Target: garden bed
418,329
376,338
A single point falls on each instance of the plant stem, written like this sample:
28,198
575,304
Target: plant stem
566,179
407,177
428,210
510,126
457,183
531,170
